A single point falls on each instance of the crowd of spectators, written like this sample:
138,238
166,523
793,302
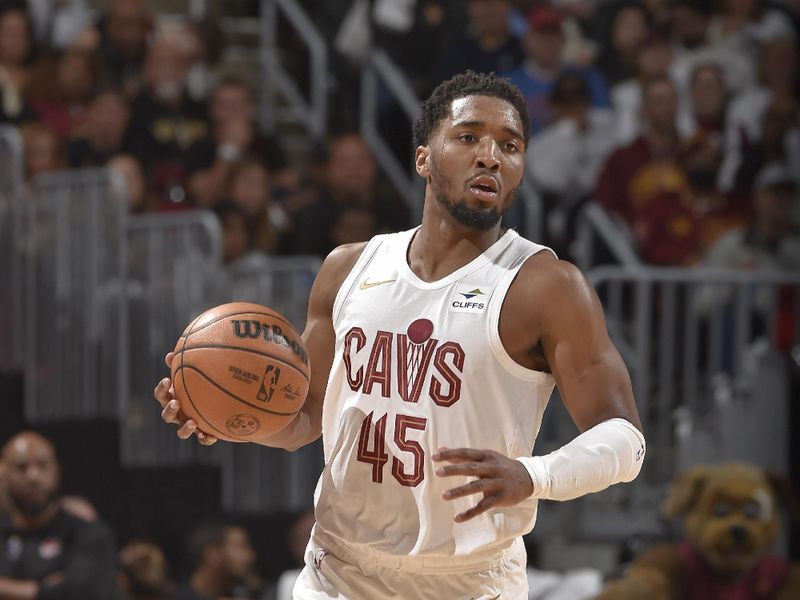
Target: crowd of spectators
665,112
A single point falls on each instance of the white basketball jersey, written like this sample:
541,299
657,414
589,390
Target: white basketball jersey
418,366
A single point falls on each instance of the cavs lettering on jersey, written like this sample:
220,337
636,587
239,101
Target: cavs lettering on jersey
418,366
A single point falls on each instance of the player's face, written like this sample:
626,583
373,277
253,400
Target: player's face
475,160
31,474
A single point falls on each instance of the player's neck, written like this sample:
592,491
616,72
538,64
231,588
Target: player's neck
442,245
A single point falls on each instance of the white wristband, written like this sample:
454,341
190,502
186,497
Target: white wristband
608,453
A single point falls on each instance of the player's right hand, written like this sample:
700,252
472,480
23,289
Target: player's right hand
171,410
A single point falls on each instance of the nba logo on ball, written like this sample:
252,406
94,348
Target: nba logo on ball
470,298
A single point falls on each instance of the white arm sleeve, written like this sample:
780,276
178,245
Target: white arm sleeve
608,453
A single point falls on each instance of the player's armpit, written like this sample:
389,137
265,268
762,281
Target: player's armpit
319,341
592,378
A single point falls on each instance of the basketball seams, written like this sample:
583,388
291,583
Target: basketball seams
273,315
243,349
231,394
194,406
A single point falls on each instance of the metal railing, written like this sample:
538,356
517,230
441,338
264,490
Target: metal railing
690,338
312,113
11,235
173,276
595,226
75,280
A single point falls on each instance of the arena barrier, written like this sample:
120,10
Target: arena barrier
76,332
598,231
174,275
11,301
277,83
256,478
697,341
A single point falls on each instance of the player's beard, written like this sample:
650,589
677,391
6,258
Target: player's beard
474,217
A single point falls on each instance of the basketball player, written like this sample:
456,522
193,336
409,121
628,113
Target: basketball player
434,352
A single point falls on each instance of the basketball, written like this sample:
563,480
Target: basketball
240,371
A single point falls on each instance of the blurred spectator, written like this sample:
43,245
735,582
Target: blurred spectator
653,62
103,134
58,23
681,222
59,91
629,25
779,85
233,134
248,188
143,572
48,553
16,55
237,236
350,180
222,561
123,34
772,241
140,199
544,49
200,44
165,122
779,142
638,173
43,150
703,116
487,46
296,541
565,159
743,24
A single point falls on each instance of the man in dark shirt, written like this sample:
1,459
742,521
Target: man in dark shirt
487,46
45,552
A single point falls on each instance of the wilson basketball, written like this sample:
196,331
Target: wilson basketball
240,371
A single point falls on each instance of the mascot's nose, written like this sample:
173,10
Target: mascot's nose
738,533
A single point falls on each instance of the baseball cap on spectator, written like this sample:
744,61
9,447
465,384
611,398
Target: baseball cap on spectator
545,18
775,176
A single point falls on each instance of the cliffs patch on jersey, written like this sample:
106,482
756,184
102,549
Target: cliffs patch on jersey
414,360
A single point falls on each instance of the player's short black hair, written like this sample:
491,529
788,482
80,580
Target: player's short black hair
437,106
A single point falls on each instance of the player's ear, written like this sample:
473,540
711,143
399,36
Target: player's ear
421,157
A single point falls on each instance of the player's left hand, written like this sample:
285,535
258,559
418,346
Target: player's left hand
502,480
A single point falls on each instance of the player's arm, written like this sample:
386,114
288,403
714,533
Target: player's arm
318,339
594,385
18,589
567,323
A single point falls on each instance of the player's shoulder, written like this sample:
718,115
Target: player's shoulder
543,276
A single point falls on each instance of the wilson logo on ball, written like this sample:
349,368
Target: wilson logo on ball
273,334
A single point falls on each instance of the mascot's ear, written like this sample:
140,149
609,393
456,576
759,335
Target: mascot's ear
684,491
786,495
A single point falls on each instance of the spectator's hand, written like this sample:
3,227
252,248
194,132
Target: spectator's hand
171,410
502,480
237,133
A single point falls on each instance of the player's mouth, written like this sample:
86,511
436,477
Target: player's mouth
485,188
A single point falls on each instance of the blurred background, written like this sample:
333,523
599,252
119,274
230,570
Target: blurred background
160,157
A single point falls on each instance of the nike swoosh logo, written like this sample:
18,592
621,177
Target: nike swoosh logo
366,284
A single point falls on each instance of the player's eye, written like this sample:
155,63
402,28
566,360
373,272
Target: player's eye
512,147
466,137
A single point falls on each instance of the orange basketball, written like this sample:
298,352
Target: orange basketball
240,371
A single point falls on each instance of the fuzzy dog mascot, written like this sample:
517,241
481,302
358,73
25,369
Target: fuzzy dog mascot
731,523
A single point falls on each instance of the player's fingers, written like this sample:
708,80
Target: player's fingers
459,455
481,507
186,430
473,487
161,392
205,438
168,359
170,412
465,468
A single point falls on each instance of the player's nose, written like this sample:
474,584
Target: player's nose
488,155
